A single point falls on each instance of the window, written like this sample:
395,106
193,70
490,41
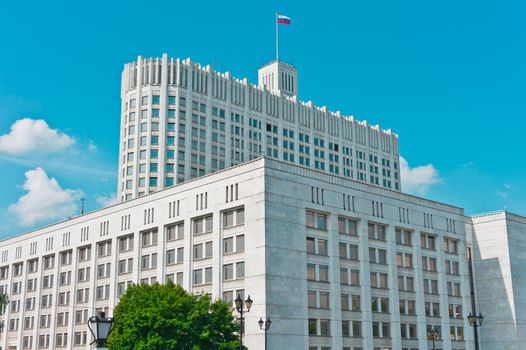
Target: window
32,266
228,272
452,268
149,238
432,309
323,273
408,330
325,327
125,266
49,262
316,220
198,276
83,274
125,243
453,289
65,258
311,272
437,328
404,260
240,269
104,270
429,264
407,307
347,226
203,225
378,256
45,321
175,231
450,246
378,280
233,217
379,304
403,237
81,337
61,340
427,241
84,253
381,329
65,278
455,311
311,297
376,231
406,283
317,246
47,281
430,286
63,298
104,249
149,261
228,244
313,326
456,333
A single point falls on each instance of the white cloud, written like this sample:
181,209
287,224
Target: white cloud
30,135
418,179
92,146
44,200
502,194
106,200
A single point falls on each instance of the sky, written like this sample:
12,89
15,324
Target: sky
448,77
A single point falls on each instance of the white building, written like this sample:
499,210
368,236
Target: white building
335,263
499,245
181,120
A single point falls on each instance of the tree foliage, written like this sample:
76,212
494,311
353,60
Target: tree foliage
166,317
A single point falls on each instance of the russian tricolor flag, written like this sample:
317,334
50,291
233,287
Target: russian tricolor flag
283,20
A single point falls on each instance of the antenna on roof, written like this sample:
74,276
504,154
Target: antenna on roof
82,205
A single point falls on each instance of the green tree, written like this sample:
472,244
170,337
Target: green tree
166,317
4,301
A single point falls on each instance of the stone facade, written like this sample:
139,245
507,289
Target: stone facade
180,120
499,245
316,252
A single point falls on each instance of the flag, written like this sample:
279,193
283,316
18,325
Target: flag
283,19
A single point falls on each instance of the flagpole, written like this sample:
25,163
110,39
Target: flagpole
277,38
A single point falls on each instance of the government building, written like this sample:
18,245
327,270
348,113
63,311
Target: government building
230,189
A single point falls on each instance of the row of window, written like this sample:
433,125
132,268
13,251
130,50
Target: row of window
351,328
201,225
319,220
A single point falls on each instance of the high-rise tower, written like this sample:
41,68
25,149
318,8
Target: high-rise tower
181,120
279,76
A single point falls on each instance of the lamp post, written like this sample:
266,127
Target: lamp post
240,307
475,321
433,334
100,327
264,326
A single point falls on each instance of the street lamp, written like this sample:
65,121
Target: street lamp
475,321
240,308
433,334
264,326
100,327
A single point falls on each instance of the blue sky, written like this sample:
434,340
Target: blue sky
447,76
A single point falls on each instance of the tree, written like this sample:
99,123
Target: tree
167,317
4,301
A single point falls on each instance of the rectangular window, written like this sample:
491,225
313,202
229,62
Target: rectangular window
316,220
202,225
233,218
347,226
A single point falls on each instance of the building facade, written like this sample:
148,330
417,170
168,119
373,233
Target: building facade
335,263
180,120
498,242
